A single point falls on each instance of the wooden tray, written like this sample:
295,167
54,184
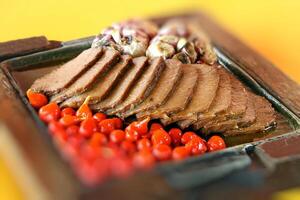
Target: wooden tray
245,162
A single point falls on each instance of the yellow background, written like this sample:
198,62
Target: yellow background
272,27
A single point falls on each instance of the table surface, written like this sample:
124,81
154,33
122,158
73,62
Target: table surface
270,28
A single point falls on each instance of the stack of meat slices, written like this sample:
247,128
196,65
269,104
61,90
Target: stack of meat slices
191,95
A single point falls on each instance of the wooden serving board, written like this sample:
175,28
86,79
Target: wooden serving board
251,162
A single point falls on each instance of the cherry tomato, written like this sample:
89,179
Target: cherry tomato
91,153
98,139
60,137
155,126
67,111
72,130
76,140
118,123
92,173
131,133
162,152
55,127
88,127
180,153
216,143
99,117
106,126
49,112
70,151
143,143
84,111
37,100
175,134
141,126
128,147
160,136
187,136
69,120
143,160
196,146
117,136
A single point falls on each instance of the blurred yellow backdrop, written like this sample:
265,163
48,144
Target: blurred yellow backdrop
272,27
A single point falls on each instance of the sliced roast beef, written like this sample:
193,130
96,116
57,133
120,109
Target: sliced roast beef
237,107
62,77
203,94
180,97
102,86
250,115
123,85
265,117
246,120
109,58
142,88
220,103
165,86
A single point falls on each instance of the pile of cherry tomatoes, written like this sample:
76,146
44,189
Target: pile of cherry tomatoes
99,147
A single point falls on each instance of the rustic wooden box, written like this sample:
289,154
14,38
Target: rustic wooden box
255,169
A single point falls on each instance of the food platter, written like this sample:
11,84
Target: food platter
172,180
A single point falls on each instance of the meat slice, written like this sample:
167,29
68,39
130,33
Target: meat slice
265,117
109,58
219,105
237,107
102,86
246,120
165,86
203,95
142,88
123,85
250,114
180,97
65,75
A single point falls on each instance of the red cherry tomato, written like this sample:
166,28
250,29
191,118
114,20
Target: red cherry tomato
175,134
216,143
49,112
162,152
196,146
118,123
69,120
98,139
84,111
117,136
143,143
88,127
131,133
72,130
92,173
67,111
99,117
37,100
141,126
187,136
180,153
160,136
55,127
128,147
143,160
106,126
76,140
155,126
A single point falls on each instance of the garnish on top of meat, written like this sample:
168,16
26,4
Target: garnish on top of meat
184,41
